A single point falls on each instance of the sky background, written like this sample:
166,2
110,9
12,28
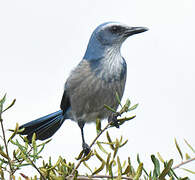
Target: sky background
41,41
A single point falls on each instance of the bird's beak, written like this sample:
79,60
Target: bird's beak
135,30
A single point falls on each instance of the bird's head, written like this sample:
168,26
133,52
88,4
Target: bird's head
109,35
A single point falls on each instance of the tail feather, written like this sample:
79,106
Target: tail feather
44,127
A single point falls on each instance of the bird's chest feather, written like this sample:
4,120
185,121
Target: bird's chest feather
97,86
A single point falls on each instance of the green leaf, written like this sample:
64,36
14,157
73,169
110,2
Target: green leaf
138,160
119,167
85,158
133,107
102,165
160,157
3,154
118,99
116,148
122,120
187,156
109,108
166,170
86,165
121,145
178,148
138,172
156,165
14,133
109,140
190,171
108,162
101,147
98,126
34,146
13,102
127,170
189,146
2,101
110,168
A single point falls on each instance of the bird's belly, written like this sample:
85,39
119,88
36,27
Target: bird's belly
89,104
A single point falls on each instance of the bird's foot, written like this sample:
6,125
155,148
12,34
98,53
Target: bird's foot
86,149
113,118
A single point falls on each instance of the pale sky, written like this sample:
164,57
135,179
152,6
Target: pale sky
41,41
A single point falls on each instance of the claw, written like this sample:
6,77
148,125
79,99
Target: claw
86,149
113,118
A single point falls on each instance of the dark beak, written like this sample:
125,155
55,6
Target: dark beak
135,30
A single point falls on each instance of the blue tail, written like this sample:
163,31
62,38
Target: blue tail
44,127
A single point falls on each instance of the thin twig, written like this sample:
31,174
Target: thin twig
33,164
110,177
184,162
6,148
96,177
20,162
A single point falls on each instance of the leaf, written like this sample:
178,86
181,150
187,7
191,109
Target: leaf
110,168
121,145
14,133
189,146
102,165
109,140
133,107
13,102
122,120
86,165
80,155
138,172
98,156
160,157
98,126
119,167
190,171
3,154
2,101
116,148
44,143
138,160
118,99
109,108
187,156
127,170
34,146
178,148
156,165
107,162
166,170
125,108
88,156
131,170
101,147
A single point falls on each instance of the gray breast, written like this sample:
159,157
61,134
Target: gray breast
89,88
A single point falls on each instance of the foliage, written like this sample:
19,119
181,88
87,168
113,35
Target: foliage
104,153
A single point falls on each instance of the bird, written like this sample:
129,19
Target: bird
93,83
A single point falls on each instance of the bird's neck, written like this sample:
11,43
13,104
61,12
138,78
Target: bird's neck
106,63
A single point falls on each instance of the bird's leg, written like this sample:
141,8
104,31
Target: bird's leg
113,118
85,146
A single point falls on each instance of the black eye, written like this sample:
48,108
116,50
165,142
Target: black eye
115,29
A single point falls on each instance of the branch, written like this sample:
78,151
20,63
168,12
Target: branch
6,148
93,142
184,162
96,177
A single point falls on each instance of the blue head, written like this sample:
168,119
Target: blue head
109,35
